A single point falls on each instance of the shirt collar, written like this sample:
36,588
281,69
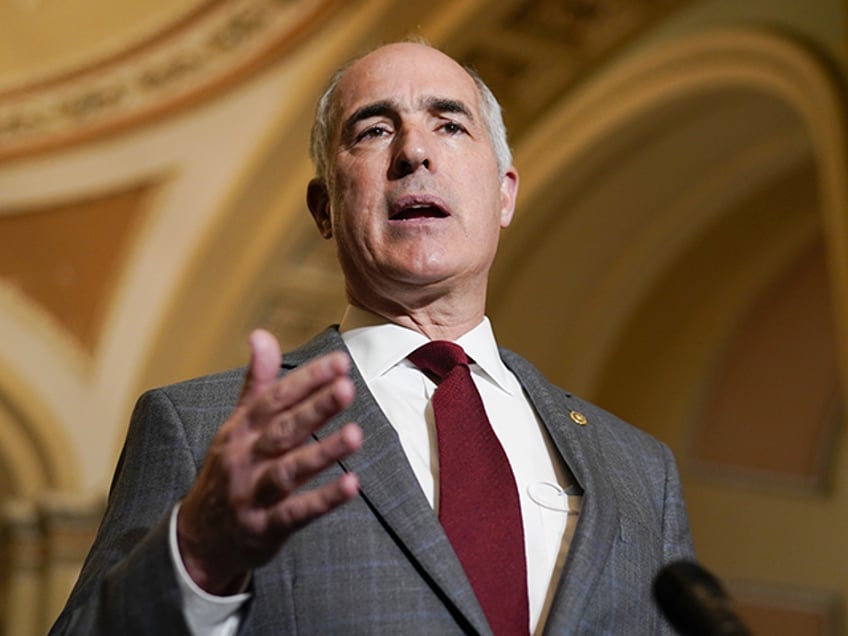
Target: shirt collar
376,345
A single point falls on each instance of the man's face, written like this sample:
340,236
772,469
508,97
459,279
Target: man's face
414,197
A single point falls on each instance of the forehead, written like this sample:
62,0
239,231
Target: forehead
404,73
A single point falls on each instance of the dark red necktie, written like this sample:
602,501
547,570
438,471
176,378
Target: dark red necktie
478,499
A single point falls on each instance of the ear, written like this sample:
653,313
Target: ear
509,194
318,201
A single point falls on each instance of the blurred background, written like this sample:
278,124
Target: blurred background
679,255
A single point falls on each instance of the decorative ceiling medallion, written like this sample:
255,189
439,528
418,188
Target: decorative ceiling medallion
219,46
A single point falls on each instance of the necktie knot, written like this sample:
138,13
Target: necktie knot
439,358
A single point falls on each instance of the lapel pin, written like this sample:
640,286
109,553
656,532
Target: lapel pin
578,418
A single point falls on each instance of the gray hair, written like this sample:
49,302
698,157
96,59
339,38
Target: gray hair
326,118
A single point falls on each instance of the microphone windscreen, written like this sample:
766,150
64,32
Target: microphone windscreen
694,602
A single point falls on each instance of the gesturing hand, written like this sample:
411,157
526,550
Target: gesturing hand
242,506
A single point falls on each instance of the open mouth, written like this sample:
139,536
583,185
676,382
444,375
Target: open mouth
418,212
410,209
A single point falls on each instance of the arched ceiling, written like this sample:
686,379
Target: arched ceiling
42,40
121,67
122,64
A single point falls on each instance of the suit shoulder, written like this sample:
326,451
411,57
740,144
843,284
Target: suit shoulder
541,390
186,413
214,390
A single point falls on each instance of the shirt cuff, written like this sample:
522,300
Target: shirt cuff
206,614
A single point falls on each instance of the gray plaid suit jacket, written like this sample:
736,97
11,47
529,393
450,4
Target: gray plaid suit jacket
380,564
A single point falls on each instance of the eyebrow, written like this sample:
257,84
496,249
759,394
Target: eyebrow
386,107
375,109
444,105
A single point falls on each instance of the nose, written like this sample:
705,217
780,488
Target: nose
412,152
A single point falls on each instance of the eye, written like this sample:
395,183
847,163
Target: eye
453,128
373,132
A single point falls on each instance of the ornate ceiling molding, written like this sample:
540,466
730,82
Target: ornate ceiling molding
221,43
531,52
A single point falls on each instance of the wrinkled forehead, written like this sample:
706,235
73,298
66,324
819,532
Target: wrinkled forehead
405,74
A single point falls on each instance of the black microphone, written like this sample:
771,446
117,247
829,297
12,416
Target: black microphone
694,602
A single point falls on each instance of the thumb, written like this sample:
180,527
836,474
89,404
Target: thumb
264,364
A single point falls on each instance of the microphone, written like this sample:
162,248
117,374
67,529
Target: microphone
695,603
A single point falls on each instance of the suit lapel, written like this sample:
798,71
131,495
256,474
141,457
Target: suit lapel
598,526
390,488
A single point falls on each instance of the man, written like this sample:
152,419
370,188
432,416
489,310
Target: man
259,506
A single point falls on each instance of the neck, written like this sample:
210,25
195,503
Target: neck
437,320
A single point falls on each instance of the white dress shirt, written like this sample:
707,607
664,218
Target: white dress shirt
379,350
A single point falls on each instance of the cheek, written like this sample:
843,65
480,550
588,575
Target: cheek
355,235
488,219
355,197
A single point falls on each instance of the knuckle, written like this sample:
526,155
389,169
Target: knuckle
327,405
284,478
276,438
280,392
287,517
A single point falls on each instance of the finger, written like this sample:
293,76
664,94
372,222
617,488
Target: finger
295,512
291,471
298,385
264,365
293,426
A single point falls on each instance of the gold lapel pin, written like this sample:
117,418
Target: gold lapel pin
578,418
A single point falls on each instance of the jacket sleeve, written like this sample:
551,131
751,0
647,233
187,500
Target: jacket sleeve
128,584
677,536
